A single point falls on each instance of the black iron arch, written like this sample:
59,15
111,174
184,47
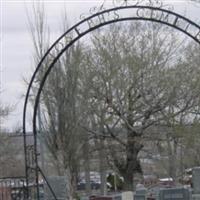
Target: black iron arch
86,25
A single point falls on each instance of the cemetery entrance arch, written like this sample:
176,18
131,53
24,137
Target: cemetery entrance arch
151,10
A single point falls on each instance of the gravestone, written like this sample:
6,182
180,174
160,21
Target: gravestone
196,197
117,196
140,194
100,198
127,196
120,196
196,180
58,185
84,198
174,194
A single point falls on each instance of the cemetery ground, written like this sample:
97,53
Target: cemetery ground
147,187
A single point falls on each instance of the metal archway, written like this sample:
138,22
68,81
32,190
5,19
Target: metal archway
101,17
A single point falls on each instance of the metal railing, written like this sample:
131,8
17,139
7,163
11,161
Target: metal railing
12,188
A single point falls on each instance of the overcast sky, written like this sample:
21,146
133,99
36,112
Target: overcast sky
16,46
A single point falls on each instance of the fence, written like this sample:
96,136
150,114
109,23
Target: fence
12,188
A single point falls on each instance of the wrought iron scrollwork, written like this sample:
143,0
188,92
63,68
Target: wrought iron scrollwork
154,3
93,10
117,3
151,3
125,3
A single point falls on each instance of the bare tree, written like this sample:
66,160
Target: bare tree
4,113
138,81
61,103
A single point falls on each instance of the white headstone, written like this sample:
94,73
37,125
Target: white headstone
127,196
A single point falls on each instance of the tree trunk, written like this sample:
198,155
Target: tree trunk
87,167
102,160
133,147
172,151
70,185
132,164
128,181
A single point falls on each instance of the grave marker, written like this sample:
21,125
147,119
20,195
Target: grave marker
174,194
196,180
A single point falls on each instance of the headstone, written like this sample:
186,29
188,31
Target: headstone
101,198
174,194
127,196
196,180
84,198
141,191
139,197
58,185
117,196
196,197
140,194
